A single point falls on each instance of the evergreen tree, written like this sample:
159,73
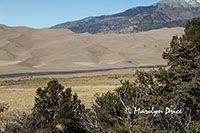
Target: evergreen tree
57,110
184,73
177,87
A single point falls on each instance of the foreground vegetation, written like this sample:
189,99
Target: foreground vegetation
177,88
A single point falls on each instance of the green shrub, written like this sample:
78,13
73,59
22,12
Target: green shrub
57,110
177,87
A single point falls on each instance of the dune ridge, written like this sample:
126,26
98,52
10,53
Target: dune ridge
23,49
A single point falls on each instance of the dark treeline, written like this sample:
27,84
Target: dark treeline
16,75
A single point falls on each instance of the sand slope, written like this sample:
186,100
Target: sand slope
24,49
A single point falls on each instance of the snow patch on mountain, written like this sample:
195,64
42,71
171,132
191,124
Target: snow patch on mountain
180,3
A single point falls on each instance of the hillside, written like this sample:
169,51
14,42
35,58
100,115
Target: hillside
164,14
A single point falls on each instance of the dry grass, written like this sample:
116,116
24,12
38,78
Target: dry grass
20,93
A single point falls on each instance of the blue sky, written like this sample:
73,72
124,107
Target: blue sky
45,13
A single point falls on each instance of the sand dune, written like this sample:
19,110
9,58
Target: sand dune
24,49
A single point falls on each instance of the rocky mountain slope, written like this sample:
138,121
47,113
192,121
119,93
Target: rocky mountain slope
166,13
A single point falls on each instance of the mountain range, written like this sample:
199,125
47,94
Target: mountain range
166,13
